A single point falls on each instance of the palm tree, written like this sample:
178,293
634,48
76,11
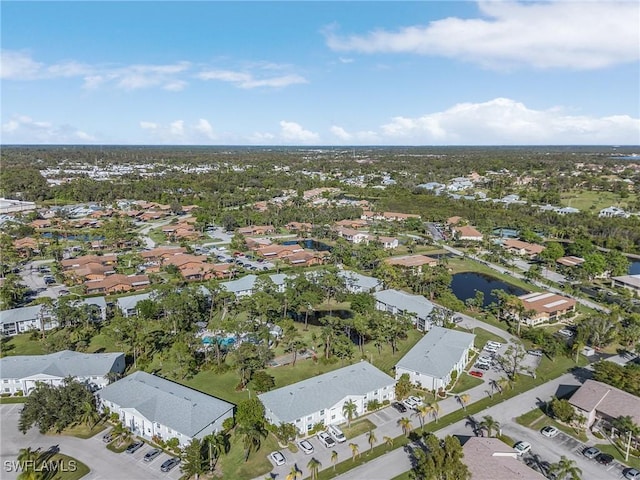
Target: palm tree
464,400
294,474
355,451
421,412
388,441
334,459
350,411
489,424
89,415
566,468
217,443
405,424
28,460
503,384
251,438
313,466
372,439
434,409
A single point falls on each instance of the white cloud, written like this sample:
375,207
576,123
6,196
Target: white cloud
247,80
180,132
22,129
340,132
292,132
345,60
503,121
550,34
18,66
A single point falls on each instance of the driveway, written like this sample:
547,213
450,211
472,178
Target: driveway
104,464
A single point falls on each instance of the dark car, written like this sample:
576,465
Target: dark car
169,464
151,454
604,459
134,447
399,407
482,366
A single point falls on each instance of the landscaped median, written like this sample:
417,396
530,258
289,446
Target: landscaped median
552,369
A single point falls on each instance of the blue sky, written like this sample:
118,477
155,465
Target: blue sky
321,73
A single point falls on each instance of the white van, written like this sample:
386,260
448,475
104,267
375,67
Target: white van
336,433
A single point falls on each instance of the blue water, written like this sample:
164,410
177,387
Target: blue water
464,286
225,342
506,232
634,268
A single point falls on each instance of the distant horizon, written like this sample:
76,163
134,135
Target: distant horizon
388,73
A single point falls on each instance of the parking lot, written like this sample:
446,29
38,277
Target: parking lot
104,464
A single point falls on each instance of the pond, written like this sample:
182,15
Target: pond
465,284
506,232
634,268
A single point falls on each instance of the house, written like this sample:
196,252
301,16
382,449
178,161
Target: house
117,283
523,249
492,459
245,286
23,372
306,258
351,235
151,406
611,212
570,261
40,224
385,242
299,227
26,246
545,307
257,230
353,224
432,361
398,302
129,305
96,308
452,221
630,282
279,251
412,262
108,259
24,319
320,399
156,255
599,401
357,283
467,233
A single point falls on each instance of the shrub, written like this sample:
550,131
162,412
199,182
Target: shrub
5,395
318,427
19,393
228,423
373,405
386,402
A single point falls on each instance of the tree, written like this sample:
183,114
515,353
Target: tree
334,459
314,466
294,473
252,436
442,460
285,432
566,468
350,411
371,439
193,462
421,412
489,424
217,445
434,409
403,386
263,382
89,414
388,441
617,263
250,412
464,400
562,410
405,424
29,464
552,252
355,451
594,264
512,359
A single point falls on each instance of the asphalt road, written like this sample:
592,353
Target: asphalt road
104,464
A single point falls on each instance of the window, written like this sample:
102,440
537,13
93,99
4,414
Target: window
321,412
309,418
5,381
309,426
333,417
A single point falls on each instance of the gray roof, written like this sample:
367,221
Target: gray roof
437,352
356,279
180,408
97,301
20,314
131,302
415,304
240,285
317,393
59,364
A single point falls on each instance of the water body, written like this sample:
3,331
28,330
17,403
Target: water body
464,285
506,232
634,268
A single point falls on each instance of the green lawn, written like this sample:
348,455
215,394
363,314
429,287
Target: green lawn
83,430
537,419
234,466
611,450
68,468
466,382
586,200
4,400
358,427
483,336
22,344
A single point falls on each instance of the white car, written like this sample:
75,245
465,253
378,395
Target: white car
490,348
326,439
522,447
306,447
494,344
484,359
416,400
278,458
565,333
410,403
549,431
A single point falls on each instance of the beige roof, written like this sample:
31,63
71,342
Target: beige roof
546,302
570,261
607,400
530,248
468,231
412,261
491,459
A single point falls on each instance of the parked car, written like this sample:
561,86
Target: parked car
108,437
632,474
409,403
591,452
565,333
535,353
490,349
484,359
336,433
134,447
476,373
550,431
399,407
604,459
417,400
278,458
326,439
49,280
522,447
457,319
482,366
169,464
151,454
306,447
494,344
